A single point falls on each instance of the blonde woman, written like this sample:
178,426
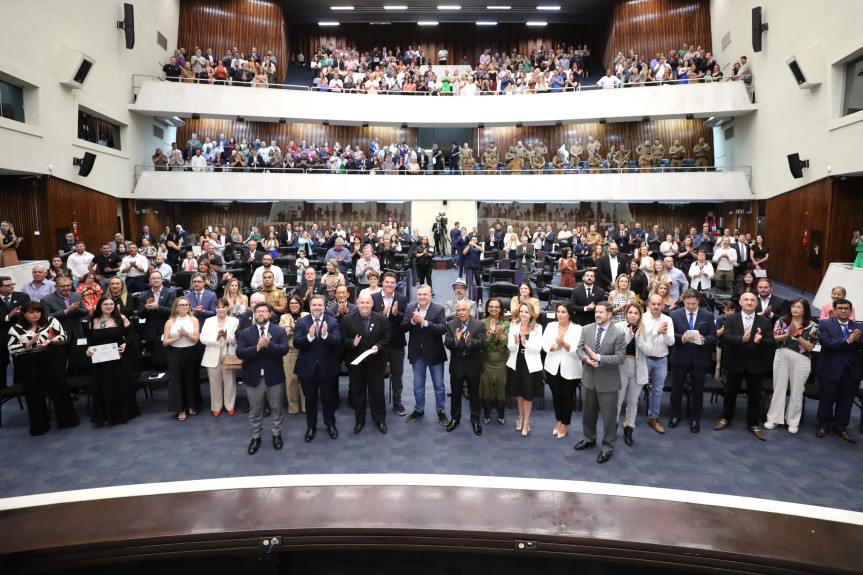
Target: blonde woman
663,290
237,302
620,298
510,242
180,336
645,262
524,378
332,279
633,371
219,336
296,399
657,275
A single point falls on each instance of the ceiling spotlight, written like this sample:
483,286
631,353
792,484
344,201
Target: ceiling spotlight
328,23
448,7
404,126
480,125
645,119
395,7
559,123
690,116
341,7
519,125
283,120
241,118
196,116
549,7
325,123
537,23
486,23
427,23
498,7
365,124
603,120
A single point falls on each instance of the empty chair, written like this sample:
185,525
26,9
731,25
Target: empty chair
503,289
502,276
182,280
561,293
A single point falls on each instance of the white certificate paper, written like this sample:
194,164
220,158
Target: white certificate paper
696,336
106,352
361,357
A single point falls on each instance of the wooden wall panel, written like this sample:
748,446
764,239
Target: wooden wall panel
234,23
49,205
282,133
846,215
460,39
652,26
631,133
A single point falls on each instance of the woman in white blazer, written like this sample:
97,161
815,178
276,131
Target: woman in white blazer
701,272
524,376
562,366
633,371
219,336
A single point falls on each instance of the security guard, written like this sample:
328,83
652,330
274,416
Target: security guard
657,152
676,154
558,162
644,157
702,153
575,153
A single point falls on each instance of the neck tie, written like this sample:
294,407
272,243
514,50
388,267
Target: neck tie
845,330
691,320
464,330
747,323
263,331
6,301
318,326
198,297
589,293
599,331
366,324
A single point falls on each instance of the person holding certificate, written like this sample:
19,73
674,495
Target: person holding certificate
112,390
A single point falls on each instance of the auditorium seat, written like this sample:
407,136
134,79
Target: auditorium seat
7,394
502,276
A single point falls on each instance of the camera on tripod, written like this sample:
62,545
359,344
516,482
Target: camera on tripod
443,219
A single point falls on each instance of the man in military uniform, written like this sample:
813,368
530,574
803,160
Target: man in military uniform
493,149
644,157
575,153
467,161
536,161
489,160
622,158
510,157
676,154
594,160
520,150
541,151
702,153
609,158
558,162
657,152
593,146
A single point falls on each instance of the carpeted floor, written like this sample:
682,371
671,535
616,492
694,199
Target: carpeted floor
155,447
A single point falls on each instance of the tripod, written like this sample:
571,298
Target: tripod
442,244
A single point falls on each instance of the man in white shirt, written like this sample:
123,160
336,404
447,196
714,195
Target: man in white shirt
609,81
662,71
724,258
79,263
163,269
442,56
198,162
659,335
136,268
278,276
39,287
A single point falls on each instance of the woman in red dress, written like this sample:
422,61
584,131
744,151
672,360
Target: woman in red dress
567,266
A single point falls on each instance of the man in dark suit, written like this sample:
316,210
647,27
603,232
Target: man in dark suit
261,347
465,338
654,240
393,305
609,267
68,308
426,323
525,255
770,306
287,237
602,349
438,231
310,286
621,238
154,309
203,300
454,237
744,254
692,355
10,305
362,331
319,341
747,348
839,370
584,298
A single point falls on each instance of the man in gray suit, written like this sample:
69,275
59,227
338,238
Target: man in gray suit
525,255
602,349
68,308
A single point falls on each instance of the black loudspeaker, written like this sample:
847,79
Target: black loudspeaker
796,165
82,71
127,24
799,77
85,164
757,28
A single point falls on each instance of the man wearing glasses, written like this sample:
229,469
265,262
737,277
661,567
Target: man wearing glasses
203,300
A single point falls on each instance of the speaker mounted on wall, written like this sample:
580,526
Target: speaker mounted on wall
85,164
758,27
127,24
796,165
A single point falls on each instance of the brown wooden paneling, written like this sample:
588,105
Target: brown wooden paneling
234,23
652,26
631,133
460,39
50,205
846,215
282,133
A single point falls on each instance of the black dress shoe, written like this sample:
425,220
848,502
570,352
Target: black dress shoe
452,425
673,422
277,442
603,456
627,435
382,427
267,412
477,430
254,445
694,426
584,444
358,427
310,434
333,432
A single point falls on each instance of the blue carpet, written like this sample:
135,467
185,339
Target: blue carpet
155,447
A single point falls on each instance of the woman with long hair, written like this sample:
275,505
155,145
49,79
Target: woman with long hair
423,253
237,302
58,269
562,367
34,342
492,382
760,255
332,279
657,275
621,297
90,291
180,336
271,245
633,371
524,376
118,292
296,399
747,285
112,390
645,261
219,336
638,281
9,243
567,266
210,274
663,290
796,335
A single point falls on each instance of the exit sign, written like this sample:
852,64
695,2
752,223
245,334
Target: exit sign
738,211
145,211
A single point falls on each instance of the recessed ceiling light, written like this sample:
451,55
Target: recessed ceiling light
328,23
395,7
498,7
448,7
486,23
427,23
537,23
548,7
341,7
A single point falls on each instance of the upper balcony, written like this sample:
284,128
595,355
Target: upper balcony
719,99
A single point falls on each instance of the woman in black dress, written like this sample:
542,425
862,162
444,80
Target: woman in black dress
112,390
424,254
524,377
638,280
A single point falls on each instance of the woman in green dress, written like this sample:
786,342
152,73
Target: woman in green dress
492,382
857,242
